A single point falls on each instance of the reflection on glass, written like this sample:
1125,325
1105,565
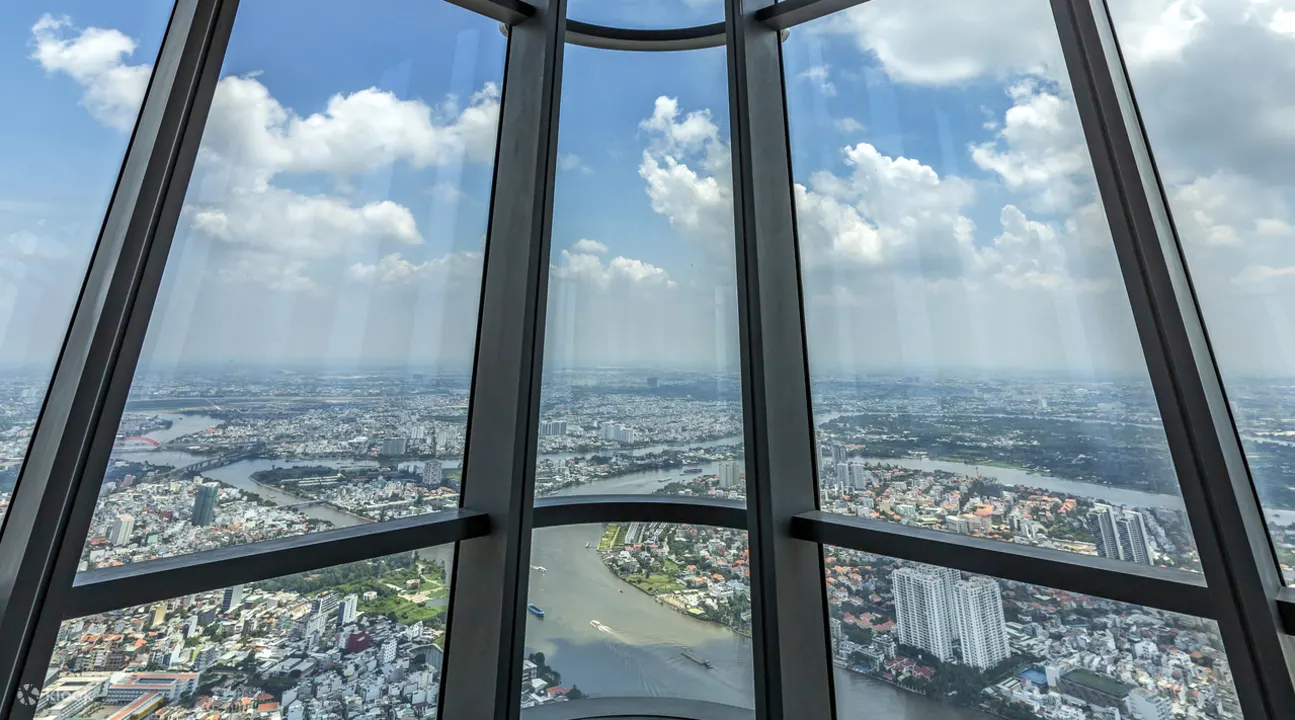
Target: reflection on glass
78,74
974,363
646,14
635,610
641,388
914,641
1225,172
321,644
307,365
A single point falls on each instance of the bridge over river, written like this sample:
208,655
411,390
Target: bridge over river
246,453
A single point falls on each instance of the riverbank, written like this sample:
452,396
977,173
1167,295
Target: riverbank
667,582
359,519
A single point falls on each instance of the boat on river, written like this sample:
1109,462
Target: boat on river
599,626
692,471
700,661
539,568
535,610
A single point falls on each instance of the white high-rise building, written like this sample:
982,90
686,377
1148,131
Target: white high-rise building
1108,542
730,475
121,529
388,653
949,579
232,598
981,628
608,430
922,611
433,473
1133,538
853,475
624,434
349,609
1122,535
553,428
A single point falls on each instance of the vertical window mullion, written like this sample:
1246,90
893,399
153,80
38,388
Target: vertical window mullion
1225,516
793,669
486,625
56,493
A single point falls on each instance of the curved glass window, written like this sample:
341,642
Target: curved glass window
79,74
941,353
1223,165
974,363
639,610
641,386
307,366
646,14
914,641
372,629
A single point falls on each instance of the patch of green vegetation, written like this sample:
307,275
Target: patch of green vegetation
654,584
611,534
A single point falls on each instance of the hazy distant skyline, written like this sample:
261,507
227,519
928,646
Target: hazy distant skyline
947,215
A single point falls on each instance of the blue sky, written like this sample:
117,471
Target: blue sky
947,211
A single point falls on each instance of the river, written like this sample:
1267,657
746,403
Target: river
638,652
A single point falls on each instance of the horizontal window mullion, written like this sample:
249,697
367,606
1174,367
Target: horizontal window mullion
645,40
508,12
140,583
1161,588
584,509
645,707
788,14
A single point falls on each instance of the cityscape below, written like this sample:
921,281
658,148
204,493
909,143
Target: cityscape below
207,460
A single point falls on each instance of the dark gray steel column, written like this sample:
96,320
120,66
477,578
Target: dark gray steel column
793,669
1227,523
487,613
54,500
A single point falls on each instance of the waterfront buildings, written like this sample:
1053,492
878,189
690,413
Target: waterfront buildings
982,633
433,473
1121,535
922,614
730,475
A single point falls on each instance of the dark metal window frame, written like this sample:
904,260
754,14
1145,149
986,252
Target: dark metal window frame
42,536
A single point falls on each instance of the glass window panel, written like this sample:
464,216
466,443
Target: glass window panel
363,636
641,387
1223,159
308,361
78,71
974,362
639,610
913,641
651,14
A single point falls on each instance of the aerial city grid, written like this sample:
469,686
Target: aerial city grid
208,460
